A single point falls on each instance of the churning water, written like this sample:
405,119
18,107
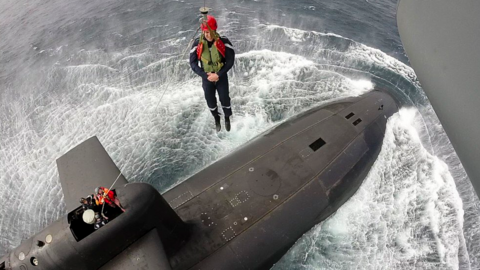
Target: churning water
71,70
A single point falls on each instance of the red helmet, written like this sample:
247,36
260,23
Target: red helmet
212,23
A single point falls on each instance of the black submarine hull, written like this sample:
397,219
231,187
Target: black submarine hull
242,212
250,207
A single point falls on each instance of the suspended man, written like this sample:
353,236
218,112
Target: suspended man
211,57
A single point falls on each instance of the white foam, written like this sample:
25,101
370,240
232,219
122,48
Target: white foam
356,52
298,32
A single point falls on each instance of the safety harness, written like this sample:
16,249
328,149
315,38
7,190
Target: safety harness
212,59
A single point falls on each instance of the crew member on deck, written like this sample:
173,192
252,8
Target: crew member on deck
216,57
88,203
104,195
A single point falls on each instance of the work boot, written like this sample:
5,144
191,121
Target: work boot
218,127
227,123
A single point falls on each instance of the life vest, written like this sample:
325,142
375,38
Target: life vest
108,196
212,59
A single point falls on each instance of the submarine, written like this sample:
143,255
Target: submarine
244,211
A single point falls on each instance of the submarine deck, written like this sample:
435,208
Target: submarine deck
334,144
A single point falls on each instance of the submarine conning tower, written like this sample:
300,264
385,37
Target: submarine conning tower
142,237
60,247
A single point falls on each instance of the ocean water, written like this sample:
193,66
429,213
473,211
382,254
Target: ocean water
71,70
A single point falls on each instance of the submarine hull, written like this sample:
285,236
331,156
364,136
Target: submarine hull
250,207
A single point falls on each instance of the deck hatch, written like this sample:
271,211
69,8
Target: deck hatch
349,115
317,144
357,121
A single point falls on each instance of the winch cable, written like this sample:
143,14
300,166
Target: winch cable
166,87
105,194
204,11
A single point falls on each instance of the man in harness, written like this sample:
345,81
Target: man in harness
216,57
104,195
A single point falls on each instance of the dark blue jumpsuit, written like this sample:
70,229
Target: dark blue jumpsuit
221,86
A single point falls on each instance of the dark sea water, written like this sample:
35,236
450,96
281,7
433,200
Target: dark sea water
70,70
